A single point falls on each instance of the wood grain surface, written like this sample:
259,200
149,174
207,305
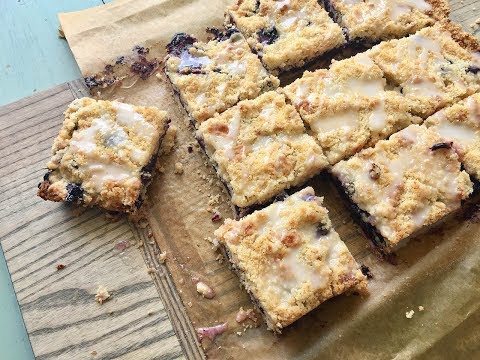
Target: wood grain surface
62,317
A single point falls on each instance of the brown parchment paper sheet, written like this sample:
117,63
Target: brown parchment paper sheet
439,271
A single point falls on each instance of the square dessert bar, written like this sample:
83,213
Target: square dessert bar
370,21
285,34
348,107
289,258
435,67
104,155
211,77
459,125
406,183
260,148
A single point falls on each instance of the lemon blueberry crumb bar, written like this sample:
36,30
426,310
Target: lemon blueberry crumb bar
104,155
289,258
210,77
285,34
260,148
403,185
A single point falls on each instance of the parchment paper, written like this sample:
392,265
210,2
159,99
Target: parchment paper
439,271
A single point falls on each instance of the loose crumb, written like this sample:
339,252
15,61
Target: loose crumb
216,216
150,270
93,353
162,257
102,295
178,168
158,76
409,314
168,142
150,312
61,267
421,308
205,290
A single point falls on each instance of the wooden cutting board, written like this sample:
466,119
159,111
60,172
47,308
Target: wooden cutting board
63,319
144,317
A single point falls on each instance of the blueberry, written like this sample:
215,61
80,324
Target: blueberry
140,50
442,145
180,43
474,69
268,36
322,230
222,35
91,82
143,67
74,193
366,271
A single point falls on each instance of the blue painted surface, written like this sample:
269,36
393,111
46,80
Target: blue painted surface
32,58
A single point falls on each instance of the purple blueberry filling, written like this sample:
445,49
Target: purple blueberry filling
220,35
442,145
473,69
322,230
268,36
180,43
74,193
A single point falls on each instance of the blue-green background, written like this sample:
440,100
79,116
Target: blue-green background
32,58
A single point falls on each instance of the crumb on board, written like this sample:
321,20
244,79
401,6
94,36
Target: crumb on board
216,216
205,290
150,270
421,308
168,142
211,332
93,353
214,200
102,294
189,304
158,76
150,312
409,314
178,168
61,266
162,257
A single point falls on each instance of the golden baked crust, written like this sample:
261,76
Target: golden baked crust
285,34
260,148
103,154
348,107
409,181
434,68
460,124
374,20
211,77
289,257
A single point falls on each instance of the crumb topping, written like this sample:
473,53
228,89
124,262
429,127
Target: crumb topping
379,20
260,148
460,125
290,258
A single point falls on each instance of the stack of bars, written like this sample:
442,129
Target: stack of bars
397,127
